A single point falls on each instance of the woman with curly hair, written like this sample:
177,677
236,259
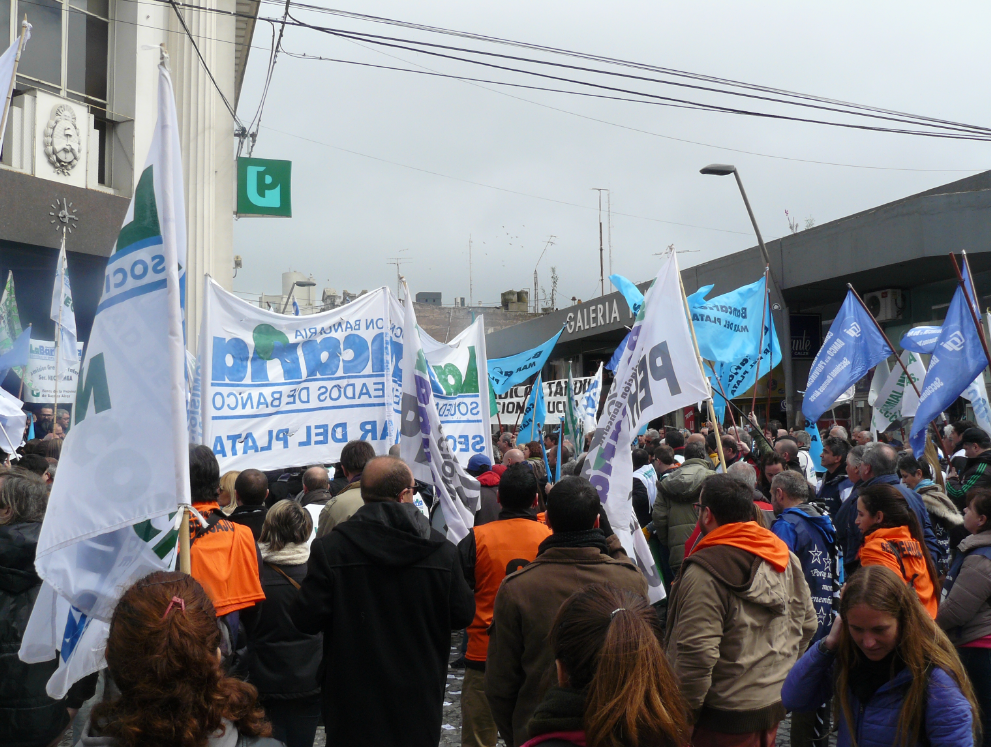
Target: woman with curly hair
896,676
163,655
615,687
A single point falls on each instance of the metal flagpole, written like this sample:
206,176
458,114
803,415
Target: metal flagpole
58,326
760,347
13,77
526,398
698,357
723,392
971,303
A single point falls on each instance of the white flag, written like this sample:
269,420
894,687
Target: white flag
589,403
113,512
881,373
423,445
897,398
12,421
977,393
657,374
63,314
8,69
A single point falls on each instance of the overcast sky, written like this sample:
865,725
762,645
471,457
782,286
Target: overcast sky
351,212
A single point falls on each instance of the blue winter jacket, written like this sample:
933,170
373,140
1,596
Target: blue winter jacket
829,491
851,532
813,539
947,721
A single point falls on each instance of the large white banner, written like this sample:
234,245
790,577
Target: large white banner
512,403
461,389
280,391
39,380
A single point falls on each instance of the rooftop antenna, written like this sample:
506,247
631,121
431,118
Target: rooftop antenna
609,229
602,268
548,245
397,261
471,291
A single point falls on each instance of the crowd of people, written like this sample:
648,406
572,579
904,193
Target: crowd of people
857,598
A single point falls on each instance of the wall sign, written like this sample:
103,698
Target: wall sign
806,336
264,187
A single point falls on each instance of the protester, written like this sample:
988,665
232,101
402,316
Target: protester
833,460
63,419
976,445
282,662
34,463
51,448
897,678
568,462
488,553
45,422
947,521
965,610
354,456
771,464
862,436
614,686
676,441
674,513
162,655
664,463
250,492
745,473
644,486
739,616
838,431
513,456
505,443
956,457
810,536
893,538
28,717
222,555
316,493
225,498
480,468
796,459
520,664
848,537
386,591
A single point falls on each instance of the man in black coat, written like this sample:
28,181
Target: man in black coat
386,591
250,492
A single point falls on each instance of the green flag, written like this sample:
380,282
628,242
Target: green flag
571,421
10,320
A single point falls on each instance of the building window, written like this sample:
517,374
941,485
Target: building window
69,55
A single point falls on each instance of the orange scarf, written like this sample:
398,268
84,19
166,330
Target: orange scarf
747,535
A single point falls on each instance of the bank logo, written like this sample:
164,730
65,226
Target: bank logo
264,187
955,343
853,330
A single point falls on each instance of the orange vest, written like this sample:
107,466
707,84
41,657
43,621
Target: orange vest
501,547
886,546
224,560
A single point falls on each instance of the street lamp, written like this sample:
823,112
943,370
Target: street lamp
724,169
301,284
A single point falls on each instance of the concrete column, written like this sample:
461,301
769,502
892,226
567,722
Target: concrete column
206,132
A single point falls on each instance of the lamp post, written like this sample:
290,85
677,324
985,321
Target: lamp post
784,323
292,288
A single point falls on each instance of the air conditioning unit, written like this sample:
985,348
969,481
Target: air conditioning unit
885,305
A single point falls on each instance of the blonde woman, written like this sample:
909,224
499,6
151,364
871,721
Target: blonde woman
226,498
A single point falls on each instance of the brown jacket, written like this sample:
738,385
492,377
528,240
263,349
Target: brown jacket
965,612
735,628
520,665
340,508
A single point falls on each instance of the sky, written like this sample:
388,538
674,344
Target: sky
390,164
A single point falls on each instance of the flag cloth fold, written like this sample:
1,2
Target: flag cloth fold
632,294
571,423
63,314
16,356
423,445
897,398
534,414
12,422
728,327
507,372
589,406
853,346
921,339
659,373
8,69
957,360
10,320
113,511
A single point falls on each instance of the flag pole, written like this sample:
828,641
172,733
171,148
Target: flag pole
58,327
935,430
184,566
723,391
760,347
526,398
698,358
13,78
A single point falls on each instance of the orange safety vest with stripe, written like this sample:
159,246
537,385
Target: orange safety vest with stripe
501,547
895,548
224,560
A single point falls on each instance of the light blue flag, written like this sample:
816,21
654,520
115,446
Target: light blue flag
956,361
741,375
534,414
920,339
617,355
16,355
718,403
853,346
815,447
728,326
632,294
295,308
507,372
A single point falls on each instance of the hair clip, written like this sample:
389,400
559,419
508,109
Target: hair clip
178,602
618,609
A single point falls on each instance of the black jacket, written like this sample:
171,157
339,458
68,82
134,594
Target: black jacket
250,516
975,475
829,491
316,496
386,591
282,662
27,715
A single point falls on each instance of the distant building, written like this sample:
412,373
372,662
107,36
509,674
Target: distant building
428,297
305,295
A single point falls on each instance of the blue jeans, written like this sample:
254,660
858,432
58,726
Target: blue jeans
977,663
294,721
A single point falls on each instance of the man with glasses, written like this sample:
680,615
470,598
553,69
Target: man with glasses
386,591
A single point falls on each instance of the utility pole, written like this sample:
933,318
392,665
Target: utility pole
548,245
471,291
602,267
397,261
609,227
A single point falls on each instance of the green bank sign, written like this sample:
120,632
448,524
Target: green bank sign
264,187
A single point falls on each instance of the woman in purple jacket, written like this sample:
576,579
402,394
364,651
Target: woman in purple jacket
898,679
